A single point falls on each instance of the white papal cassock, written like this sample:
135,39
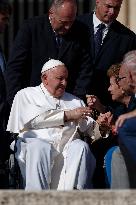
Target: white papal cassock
50,153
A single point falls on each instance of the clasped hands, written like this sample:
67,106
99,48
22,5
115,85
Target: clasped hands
105,121
78,113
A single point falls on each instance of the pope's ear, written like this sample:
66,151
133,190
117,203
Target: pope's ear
51,12
44,78
130,77
97,1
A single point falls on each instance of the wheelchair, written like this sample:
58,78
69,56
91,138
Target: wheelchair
15,178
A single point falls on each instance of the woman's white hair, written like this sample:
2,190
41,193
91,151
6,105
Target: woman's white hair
130,61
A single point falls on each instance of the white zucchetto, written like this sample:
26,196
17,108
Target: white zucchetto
51,64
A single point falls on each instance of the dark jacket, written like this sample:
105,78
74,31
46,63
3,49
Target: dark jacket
127,141
4,148
122,109
2,99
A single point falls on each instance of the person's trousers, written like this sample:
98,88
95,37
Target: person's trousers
36,159
119,173
127,143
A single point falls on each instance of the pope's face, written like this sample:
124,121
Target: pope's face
55,80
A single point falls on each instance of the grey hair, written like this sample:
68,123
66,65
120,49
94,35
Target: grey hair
58,3
130,61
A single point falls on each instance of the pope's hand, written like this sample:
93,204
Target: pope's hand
77,113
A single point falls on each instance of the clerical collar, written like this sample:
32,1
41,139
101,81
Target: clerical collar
46,92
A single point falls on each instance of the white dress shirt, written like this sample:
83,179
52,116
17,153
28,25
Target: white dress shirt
96,23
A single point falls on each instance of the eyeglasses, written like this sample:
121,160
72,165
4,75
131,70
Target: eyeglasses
120,78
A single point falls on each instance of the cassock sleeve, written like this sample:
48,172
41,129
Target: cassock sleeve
52,118
25,115
90,128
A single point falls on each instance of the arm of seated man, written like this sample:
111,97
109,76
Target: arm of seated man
121,119
51,118
55,118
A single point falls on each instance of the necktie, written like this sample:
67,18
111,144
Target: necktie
2,64
58,41
98,38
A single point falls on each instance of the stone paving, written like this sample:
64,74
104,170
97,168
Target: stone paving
88,197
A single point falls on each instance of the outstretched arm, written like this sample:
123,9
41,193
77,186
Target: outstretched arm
54,118
121,119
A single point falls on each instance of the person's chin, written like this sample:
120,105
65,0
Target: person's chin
107,20
63,32
59,94
113,98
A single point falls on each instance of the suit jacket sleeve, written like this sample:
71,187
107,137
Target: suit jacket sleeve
84,76
2,100
17,60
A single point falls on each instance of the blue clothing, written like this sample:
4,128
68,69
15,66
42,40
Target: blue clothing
107,162
127,143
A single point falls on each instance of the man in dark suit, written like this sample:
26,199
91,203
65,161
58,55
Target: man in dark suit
55,35
116,41
5,12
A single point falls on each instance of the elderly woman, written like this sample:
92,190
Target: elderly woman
106,120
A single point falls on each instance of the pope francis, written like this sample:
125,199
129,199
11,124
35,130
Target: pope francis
49,123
